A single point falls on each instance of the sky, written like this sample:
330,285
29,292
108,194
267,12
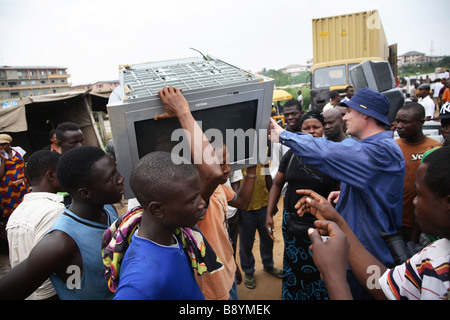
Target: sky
91,38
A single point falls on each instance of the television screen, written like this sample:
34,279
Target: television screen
233,121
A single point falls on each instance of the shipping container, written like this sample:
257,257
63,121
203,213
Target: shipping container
349,36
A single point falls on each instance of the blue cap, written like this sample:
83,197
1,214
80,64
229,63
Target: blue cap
371,103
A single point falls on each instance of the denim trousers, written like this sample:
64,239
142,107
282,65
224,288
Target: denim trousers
250,222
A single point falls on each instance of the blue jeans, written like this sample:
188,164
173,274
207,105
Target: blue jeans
234,292
252,221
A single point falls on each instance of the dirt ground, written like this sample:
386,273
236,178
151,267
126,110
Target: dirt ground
267,286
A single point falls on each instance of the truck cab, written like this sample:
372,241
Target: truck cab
329,76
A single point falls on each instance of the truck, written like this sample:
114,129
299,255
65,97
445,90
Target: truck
340,42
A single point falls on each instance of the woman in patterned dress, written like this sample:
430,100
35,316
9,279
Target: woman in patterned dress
301,279
13,184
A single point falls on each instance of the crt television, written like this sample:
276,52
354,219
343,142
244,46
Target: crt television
375,75
230,104
397,100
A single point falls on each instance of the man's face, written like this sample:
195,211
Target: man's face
445,128
4,147
343,111
108,187
355,122
422,93
350,93
431,211
70,140
224,158
408,126
333,125
292,118
188,207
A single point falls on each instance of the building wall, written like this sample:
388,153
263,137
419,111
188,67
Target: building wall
18,82
416,58
98,86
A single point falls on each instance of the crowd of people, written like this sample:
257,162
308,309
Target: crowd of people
341,174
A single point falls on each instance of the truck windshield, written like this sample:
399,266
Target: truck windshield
330,76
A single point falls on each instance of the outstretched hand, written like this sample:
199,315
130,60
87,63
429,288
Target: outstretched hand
331,257
317,205
174,102
274,131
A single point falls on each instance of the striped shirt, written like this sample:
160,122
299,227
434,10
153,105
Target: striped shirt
426,276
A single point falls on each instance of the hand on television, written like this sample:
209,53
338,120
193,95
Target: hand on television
174,103
274,131
317,205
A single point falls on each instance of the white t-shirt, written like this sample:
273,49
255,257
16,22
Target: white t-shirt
426,276
428,104
27,225
235,176
437,87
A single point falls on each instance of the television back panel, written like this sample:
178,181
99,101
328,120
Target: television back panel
397,100
220,96
375,75
141,81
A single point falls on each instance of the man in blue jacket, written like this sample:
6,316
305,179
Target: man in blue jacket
371,168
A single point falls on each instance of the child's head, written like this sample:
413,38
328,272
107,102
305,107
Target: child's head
222,154
88,172
433,193
41,165
168,191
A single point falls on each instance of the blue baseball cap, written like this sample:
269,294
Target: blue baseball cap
371,103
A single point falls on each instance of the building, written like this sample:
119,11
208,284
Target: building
294,69
415,57
98,86
17,82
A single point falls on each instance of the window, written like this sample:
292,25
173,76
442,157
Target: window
330,76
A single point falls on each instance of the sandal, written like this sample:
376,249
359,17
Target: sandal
277,273
249,281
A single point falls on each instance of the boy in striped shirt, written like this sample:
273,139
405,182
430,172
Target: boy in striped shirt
424,276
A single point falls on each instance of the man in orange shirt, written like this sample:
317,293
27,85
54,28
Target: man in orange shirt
445,92
214,169
414,144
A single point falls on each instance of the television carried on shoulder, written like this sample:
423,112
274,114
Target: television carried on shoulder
230,104
378,76
397,100
375,75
